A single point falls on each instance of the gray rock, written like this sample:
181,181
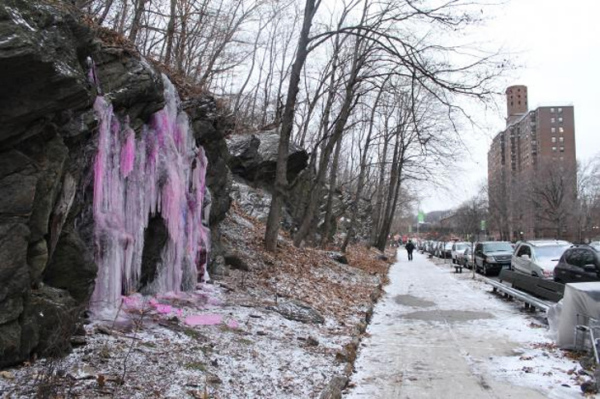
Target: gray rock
38,54
72,267
298,311
130,83
11,309
51,156
338,257
334,388
18,179
37,258
10,343
53,313
254,157
236,261
14,273
210,129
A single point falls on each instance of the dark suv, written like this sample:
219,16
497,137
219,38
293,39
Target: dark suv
578,265
492,256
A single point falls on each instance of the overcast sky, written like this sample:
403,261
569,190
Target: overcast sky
557,46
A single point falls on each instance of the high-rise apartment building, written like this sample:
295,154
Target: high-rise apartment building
532,170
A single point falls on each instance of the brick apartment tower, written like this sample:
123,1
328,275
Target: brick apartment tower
520,156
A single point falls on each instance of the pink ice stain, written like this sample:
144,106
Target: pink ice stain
131,302
233,324
204,320
128,154
214,301
136,179
164,309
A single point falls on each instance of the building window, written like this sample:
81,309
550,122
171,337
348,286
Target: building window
553,120
562,149
552,110
553,139
560,110
562,158
553,149
561,139
561,129
560,119
553,130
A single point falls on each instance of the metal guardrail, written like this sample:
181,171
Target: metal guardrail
529,300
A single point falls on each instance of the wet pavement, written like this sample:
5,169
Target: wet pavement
432,334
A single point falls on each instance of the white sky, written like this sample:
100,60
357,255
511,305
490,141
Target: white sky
556,43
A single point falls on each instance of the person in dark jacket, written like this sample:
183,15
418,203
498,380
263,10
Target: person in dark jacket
410,247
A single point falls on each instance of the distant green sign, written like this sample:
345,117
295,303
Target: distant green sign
421,217
483,225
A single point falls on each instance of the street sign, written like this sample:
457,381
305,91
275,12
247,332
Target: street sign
421,217
483,225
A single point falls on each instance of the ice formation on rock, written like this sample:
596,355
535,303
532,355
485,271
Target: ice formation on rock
161,172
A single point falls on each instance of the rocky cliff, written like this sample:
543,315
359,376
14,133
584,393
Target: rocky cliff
99,166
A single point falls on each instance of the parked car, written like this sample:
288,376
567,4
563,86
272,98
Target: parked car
538,257
446,251
465,258
578,265
457,249
595,245
492,256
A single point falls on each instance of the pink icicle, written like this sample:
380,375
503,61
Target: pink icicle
128,153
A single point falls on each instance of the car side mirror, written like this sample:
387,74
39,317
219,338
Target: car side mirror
591,268
525,257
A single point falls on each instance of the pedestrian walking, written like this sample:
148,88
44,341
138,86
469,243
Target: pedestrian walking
410,247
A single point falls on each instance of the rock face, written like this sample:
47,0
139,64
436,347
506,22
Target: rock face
52,68
254,157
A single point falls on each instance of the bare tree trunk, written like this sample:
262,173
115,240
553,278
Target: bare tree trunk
362,173
137,17
170,33
107,8
287,124
326,238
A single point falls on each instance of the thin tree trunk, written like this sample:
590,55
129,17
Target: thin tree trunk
332,186
362,173
170,33
137,17
287,124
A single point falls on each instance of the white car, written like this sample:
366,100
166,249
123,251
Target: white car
538,257
458,248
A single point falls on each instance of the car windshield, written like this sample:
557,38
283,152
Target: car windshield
552,252
460,247
497,246
595,245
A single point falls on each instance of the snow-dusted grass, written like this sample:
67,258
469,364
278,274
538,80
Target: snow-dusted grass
224,340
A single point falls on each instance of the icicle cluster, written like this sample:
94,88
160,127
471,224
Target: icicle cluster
162,172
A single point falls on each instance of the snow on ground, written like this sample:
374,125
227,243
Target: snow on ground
436,332
229,339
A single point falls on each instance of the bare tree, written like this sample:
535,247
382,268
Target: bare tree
553,194
287,123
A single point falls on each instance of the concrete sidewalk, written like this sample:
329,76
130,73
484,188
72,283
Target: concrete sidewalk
433,333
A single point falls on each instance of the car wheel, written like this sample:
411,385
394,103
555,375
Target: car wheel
485,269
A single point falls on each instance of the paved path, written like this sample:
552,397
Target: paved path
431,334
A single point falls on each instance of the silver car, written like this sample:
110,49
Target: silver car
538,257
458,248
